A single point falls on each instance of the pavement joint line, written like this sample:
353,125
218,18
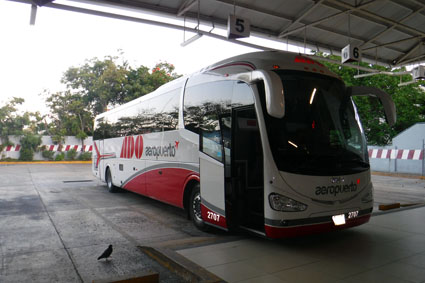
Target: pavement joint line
56,229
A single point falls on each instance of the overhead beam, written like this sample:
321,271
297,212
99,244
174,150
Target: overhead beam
304,13
186,6
258,9
373,16
285,34
394,42
410,52
393,26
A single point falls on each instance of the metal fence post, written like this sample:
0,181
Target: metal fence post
395,160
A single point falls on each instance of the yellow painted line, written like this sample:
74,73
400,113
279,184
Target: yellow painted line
43,162
400,175
389,206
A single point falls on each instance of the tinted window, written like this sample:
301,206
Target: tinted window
204,103
320,133
154,115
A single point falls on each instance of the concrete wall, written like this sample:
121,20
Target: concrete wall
411,139
70,142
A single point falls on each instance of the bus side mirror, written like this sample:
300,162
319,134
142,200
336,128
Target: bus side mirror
275,99
385,98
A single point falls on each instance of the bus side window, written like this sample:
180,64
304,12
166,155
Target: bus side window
202,100
242,95
98,129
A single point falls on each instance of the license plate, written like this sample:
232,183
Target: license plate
338,219
353,214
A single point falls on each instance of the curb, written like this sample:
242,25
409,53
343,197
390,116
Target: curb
186,269
400,175
402,207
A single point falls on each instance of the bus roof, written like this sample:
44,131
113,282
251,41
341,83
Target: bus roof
262,60
267,60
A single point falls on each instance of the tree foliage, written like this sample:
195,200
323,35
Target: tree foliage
29,143
69,115
13,122
95,87
106,83
409,101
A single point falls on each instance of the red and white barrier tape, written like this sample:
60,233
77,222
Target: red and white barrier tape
407,154
54,147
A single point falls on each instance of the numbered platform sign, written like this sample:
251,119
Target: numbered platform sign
351,53
237,27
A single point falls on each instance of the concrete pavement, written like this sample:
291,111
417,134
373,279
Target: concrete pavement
56,219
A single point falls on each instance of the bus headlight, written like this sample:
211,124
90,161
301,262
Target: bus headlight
282,203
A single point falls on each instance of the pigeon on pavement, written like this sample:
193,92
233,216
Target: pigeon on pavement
107,253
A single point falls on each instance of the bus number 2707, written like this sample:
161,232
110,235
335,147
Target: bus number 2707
213,216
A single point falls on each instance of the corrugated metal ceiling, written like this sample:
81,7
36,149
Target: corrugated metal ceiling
389,32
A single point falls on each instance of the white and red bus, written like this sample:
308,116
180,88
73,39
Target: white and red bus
267,141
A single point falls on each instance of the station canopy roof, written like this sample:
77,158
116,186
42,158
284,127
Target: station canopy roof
388,32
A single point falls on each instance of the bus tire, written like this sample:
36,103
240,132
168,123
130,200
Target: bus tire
195,209
111,187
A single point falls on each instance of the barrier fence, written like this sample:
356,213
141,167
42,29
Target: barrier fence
413,154
398,160
52,147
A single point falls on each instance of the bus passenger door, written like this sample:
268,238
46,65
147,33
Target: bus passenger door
212,176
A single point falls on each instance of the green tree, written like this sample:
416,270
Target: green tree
70,116
29,142
141,81
100,82
409,101
96,86
11,122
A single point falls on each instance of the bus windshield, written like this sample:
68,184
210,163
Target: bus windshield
320,133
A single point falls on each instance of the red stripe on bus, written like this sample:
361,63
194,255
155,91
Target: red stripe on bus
164,184
130,146
139,147
288,232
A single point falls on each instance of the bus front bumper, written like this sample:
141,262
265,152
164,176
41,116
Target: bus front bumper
312,226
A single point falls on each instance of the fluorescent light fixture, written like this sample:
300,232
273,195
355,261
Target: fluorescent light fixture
312,95
293,144
192,39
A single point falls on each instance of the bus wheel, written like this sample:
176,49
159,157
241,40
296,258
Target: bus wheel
195,209
111,187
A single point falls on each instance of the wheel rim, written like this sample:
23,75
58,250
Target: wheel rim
109,181
196,207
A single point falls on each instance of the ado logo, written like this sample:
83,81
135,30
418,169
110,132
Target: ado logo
129,147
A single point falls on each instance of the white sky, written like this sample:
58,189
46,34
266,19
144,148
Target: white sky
34,58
